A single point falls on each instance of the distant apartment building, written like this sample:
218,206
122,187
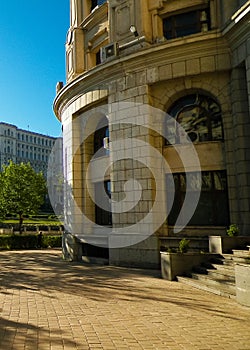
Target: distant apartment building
21,145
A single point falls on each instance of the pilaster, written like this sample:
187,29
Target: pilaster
241,147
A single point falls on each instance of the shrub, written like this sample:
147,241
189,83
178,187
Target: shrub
31,228
52,241
43,227
28,241
18,242
55,227
5,242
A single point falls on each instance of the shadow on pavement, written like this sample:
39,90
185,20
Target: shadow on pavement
45,271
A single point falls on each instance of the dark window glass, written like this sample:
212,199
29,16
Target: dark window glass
98,57
95,3
103,195
199,116
186,24
212,207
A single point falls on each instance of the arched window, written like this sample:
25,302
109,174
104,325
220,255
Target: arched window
199,116
101,138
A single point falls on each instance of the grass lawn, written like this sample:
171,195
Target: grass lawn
33,221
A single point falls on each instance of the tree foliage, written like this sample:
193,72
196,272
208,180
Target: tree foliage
22,190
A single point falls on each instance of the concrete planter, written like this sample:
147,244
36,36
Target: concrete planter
177,264
225,244
242,280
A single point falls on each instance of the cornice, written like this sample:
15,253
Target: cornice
101,76
237,33
179,50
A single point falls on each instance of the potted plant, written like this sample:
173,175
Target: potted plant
177,262
184,245
233,230
232,240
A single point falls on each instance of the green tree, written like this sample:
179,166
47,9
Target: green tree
3,211
22,190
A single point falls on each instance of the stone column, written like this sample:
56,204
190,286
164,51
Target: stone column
72,189
241,127
134,169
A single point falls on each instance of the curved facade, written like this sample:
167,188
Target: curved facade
136,176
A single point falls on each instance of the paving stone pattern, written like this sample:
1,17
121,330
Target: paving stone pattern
47,303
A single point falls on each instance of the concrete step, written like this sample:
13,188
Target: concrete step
241,253
225,259
216,276
215,280
224,269
242,260
227,270
241,256
221,290
222,275
202,269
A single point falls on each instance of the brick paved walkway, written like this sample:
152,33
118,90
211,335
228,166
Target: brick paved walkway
47,303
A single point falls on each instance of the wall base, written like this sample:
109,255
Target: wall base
71,247
142,255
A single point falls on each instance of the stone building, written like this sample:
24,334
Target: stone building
156,126
21,145
25,146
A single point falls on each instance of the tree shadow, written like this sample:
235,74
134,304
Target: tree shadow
29,335
45,271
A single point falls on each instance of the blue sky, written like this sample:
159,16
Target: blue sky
32,60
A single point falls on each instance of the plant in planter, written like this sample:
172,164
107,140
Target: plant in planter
184,245
180,262
229,242
233,230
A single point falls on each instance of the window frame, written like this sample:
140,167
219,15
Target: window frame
175,17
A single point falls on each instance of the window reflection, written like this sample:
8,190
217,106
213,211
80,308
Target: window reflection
197,116
212,208
187,23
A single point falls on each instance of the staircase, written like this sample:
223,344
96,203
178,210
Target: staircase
216,276
242,256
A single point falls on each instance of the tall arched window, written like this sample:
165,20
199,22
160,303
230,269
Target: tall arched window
199,116
101,138
102,189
